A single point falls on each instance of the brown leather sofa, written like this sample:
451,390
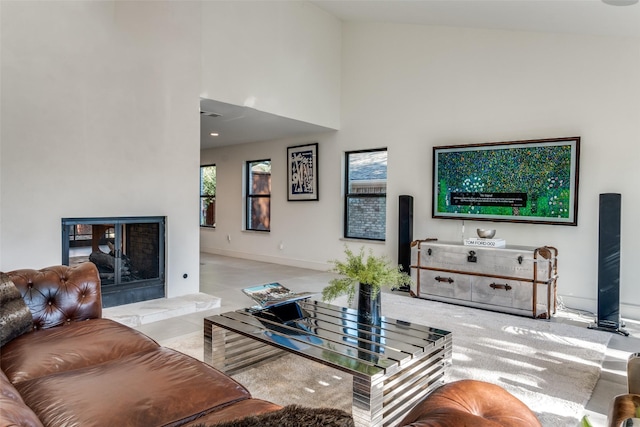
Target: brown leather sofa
78,369
75,368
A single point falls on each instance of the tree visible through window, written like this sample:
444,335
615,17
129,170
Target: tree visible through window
208,196
258,193
366,194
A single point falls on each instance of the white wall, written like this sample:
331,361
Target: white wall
281,57
412,87
99,118
308,231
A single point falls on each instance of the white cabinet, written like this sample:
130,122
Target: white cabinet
514,279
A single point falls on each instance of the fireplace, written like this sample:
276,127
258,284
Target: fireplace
129,253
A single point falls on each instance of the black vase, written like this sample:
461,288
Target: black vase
369,309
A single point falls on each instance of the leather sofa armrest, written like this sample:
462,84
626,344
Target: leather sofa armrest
14,411
60,294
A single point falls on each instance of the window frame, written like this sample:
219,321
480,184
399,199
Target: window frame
249,196
348,195
208,196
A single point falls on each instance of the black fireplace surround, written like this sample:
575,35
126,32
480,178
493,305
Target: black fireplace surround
129,253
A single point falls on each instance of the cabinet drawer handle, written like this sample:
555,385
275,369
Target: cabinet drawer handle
444,279
472,257
506,286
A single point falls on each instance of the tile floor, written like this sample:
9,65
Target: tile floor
224,277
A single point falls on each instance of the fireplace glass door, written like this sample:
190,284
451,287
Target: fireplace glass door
128,252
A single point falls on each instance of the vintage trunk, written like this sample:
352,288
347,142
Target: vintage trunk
515,279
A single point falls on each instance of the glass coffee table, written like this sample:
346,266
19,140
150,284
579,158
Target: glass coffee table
393,365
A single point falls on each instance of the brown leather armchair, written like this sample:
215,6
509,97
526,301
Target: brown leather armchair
626,406
470,403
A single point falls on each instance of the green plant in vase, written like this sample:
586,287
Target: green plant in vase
364,274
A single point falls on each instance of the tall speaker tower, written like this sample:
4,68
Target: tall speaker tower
405,234
610,208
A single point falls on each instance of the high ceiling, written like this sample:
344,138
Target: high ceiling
585,17
238,125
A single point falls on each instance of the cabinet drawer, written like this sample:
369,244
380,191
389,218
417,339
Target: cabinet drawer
517,262
448,285
501,292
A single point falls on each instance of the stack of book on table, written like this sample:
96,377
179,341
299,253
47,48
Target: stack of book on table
485,243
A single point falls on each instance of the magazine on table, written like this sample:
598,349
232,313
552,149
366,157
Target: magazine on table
274,294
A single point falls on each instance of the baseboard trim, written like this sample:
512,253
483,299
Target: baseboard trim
627,311
291,262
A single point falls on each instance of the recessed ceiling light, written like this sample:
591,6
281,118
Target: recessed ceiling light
214,134
209,114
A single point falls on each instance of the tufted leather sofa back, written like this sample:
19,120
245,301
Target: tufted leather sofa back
60,294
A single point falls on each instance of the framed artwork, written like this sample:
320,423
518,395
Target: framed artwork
534,181
302,172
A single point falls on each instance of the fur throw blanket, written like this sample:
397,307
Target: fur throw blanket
293,416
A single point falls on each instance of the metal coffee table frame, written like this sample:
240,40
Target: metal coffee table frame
393,365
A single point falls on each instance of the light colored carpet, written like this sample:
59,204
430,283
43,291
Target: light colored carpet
552,367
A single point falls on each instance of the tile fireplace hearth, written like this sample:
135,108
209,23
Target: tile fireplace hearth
129,253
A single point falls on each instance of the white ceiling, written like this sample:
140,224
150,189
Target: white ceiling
591,17
585,17
239,125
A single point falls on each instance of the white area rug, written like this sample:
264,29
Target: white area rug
552,367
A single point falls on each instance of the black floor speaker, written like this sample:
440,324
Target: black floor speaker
609,263
405,234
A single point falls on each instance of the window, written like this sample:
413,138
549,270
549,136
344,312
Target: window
366,194
208,196
258,191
